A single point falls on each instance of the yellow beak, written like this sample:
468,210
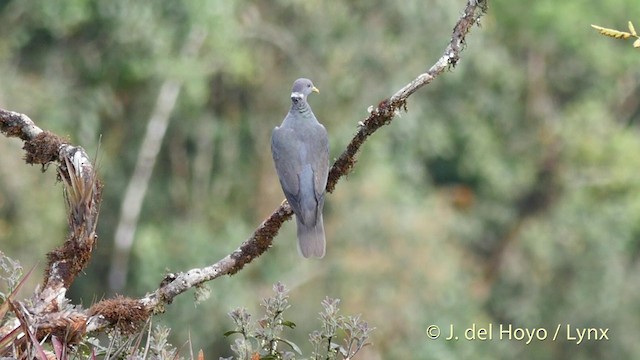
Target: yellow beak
315,90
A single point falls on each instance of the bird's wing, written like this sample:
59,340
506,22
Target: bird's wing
287,162
321,159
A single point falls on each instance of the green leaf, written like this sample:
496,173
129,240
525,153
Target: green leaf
291,344
231,332
289,324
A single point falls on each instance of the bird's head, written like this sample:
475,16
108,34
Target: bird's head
302,88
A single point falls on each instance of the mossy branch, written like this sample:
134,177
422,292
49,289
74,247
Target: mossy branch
383,114
83,197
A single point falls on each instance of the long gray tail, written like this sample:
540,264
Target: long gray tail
311,241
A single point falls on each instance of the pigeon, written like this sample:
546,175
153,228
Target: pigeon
300,149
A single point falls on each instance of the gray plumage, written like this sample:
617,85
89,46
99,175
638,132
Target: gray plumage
300,150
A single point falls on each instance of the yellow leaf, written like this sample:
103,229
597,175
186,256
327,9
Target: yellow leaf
636,44
632,29
611,32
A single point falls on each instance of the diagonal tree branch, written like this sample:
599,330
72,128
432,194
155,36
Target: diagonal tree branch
383,114
83,197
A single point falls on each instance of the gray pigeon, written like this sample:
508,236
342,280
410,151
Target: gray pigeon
300,150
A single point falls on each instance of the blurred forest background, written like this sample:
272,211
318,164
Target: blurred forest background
509,193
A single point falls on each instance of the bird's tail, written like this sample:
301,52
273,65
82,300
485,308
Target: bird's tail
311,240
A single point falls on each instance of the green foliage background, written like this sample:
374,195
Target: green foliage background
508,194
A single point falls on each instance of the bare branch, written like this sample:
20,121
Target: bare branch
13,124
